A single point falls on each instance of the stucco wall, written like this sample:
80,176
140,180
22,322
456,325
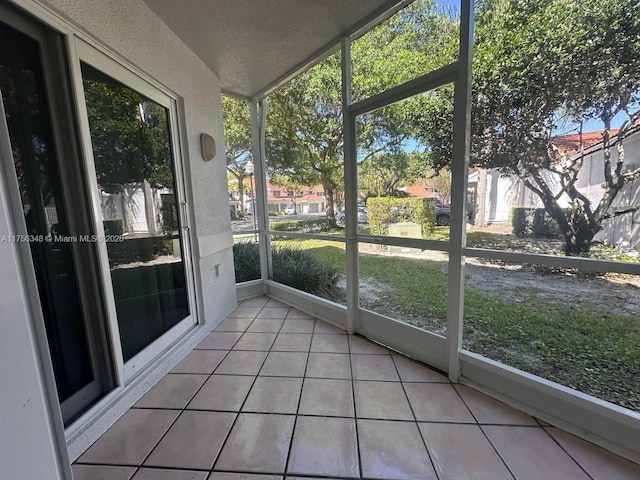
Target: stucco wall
132,30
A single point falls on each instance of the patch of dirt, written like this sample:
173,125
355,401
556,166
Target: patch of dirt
618,294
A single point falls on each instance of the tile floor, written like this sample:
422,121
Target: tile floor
274,394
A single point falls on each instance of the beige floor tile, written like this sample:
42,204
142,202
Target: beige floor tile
373,367
292,342
245,312
329,365
266,325
360,345
599,463
273,303
131,438
462,452
242,476
255,341
242,363
489,410
327,329
332,398
295,313
200,361
393,450
172,391
298,325
530,453
230,324
222,392
383,400
329,343
219,341
285,364
437,402
324,446
193,441
259,301
274,395
411,371
257,443
274,312
101,472
158,474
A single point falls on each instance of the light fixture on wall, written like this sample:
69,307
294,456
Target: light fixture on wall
208,144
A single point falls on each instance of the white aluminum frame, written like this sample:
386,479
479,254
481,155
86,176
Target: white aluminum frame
82,51
598,421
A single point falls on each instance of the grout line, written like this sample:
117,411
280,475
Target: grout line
235,421
355,412
415,420
567,452
495,449
295,422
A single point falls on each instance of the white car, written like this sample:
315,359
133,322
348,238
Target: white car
363,216
290,210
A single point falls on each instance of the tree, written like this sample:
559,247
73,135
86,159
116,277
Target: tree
304,124
543,64
237,141
130,139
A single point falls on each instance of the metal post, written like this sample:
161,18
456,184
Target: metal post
459,171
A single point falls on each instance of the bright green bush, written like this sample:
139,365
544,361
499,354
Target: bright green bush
383,211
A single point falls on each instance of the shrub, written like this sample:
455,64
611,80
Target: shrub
383,211
113,227
301,270
533,222
292,267
323,224
246,261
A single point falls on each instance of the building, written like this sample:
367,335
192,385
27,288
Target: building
501,192
99,95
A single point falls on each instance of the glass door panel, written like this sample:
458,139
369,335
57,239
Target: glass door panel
50,230
136,180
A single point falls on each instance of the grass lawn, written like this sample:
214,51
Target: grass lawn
578,344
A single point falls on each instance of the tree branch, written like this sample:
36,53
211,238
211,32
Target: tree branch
621,212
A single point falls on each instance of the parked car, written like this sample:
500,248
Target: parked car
443,213
363,216
290,210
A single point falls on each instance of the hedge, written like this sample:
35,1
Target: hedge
383,211
533,222
323,224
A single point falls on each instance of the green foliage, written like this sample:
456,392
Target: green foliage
301,270
291,266
129,134
113,227
383,211
324,224
246,261
535,222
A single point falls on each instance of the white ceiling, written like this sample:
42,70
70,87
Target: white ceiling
252,44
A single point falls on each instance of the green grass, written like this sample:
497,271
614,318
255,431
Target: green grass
582,345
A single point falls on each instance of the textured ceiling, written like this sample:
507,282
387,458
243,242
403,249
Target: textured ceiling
251,44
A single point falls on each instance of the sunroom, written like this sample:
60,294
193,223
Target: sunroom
147,335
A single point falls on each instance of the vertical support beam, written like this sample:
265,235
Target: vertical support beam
350,189
258,119
459,170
